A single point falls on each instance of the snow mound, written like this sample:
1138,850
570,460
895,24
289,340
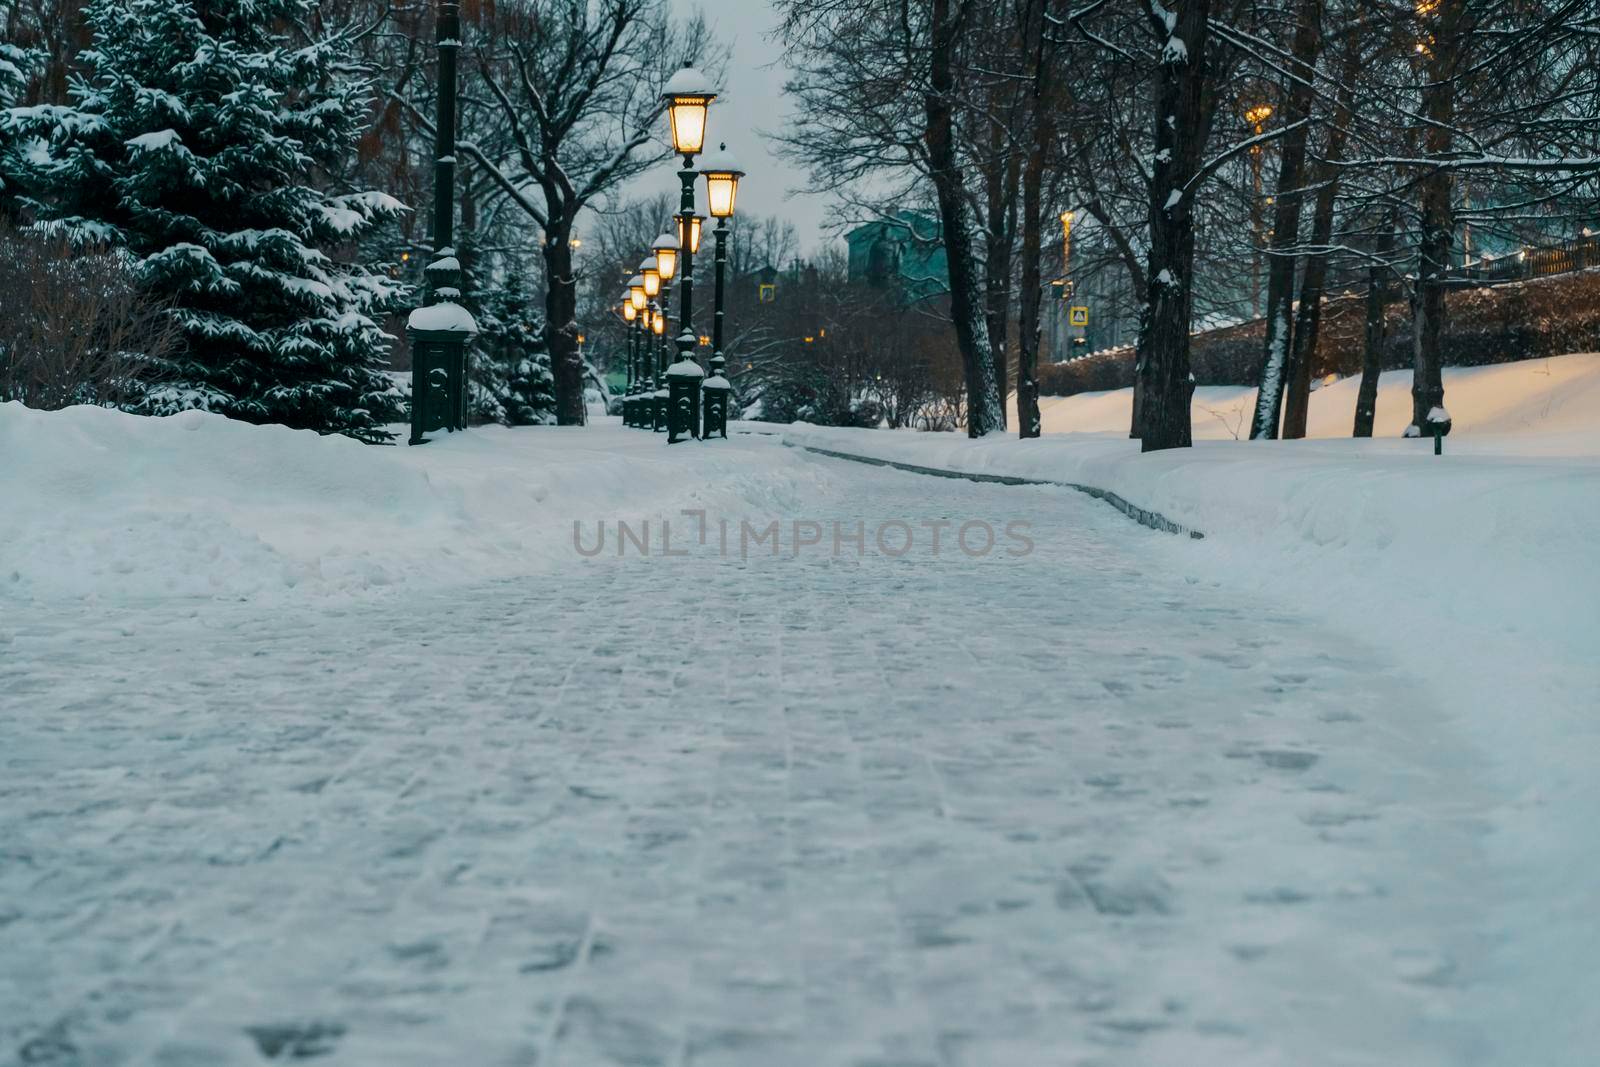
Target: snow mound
103,503
100,504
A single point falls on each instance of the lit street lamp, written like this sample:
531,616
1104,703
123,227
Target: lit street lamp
641,304
722,189
660,416
665,248
687,95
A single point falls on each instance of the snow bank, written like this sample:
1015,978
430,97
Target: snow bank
1476,571
1553,396
99,504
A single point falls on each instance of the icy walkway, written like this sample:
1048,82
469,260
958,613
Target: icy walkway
1070,808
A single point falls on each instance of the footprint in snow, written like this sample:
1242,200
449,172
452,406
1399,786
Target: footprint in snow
296,1041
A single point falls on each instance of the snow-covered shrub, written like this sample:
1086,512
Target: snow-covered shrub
75,326
203,138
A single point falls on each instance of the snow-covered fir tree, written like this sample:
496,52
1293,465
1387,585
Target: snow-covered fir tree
15,64
204,136
512,382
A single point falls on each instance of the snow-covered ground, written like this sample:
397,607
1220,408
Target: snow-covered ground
313,747
1477,569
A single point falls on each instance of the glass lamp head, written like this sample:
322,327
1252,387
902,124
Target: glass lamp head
722,182
687,96
691,238
666,249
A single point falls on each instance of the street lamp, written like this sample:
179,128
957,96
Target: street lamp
687,96
630,316
652,277
722,190
660,416
439,333
636,294
666,249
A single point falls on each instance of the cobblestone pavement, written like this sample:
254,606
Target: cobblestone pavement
1069,808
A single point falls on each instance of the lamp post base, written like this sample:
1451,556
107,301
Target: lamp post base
438,377
684,379
717,393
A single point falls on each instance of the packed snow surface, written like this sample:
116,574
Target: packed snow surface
317,749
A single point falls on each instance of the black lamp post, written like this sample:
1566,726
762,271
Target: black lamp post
640,304
687,95
439,332
651,273
630,398
722,188
666,259
658,351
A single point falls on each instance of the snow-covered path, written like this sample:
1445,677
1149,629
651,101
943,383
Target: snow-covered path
1070,808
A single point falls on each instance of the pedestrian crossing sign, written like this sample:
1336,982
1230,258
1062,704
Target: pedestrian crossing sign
1078,316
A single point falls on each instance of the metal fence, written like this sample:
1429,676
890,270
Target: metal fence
1564,258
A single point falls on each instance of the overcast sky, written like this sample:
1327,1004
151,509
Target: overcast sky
752,99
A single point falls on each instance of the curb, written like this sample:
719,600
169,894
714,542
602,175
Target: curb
1144,517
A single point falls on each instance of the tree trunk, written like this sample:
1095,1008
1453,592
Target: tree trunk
1438,227
1286,224
1309,320
1029,329
1181,123
561,324
1000,187
1372,352
985,410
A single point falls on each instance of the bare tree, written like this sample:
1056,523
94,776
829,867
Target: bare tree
75,327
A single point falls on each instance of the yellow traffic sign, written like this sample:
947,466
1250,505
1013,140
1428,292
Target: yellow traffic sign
1078,316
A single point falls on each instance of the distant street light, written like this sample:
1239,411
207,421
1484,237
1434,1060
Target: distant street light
722,191
666,249
659,415
630,316
1257,117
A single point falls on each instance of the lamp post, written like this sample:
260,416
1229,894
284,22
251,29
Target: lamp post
439,332
687,95
630,398
722,189
660,415
650,271
665,249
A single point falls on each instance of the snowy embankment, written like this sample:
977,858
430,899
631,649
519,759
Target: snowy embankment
1477,571
99,504
1550,397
